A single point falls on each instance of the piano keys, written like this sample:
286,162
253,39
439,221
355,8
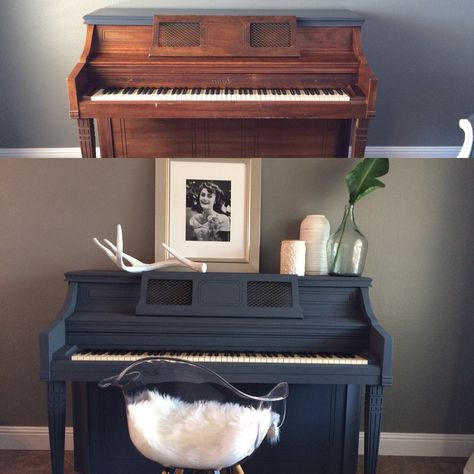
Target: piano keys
315,332
224,357
214,83
177,94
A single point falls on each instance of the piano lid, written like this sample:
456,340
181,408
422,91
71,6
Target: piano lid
144,16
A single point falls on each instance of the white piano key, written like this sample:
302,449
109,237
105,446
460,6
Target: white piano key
260,358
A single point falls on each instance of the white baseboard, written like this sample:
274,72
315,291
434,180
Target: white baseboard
423,444
73,152
34,438
371,152
391,444
412,151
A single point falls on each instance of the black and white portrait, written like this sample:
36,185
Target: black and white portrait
208,204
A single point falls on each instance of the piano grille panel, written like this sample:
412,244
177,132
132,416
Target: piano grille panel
270,35
275,294
179,35
169,292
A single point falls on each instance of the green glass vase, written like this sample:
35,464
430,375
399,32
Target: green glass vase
347,247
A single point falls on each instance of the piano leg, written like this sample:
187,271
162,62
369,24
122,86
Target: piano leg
373,422
57,422
360,132
87,137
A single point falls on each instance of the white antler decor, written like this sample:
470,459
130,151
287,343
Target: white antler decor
116,254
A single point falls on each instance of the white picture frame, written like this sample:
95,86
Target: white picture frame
177,209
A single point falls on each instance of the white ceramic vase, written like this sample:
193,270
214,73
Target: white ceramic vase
292,257
315,230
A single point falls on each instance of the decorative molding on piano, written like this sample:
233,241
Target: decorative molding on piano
391,444
370,152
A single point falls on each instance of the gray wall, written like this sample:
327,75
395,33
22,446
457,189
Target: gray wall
421,257
421,52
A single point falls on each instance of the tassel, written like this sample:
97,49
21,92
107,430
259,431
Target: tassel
273,434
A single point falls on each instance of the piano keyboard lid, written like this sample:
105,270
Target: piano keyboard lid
144,16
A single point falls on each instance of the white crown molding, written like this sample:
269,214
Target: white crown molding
371,152
391,444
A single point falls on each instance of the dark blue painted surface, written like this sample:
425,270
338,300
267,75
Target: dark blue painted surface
333,314
318,435
144,16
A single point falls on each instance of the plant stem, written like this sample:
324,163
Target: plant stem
344,221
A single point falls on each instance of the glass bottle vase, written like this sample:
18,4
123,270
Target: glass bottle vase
347,247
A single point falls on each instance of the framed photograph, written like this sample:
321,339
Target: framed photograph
209,210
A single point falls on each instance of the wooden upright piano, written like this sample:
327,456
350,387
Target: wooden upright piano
223,83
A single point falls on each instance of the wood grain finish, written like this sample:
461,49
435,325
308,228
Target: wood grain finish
221,36
329,57
146,138
86,137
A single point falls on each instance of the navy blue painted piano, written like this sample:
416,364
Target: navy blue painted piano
317,333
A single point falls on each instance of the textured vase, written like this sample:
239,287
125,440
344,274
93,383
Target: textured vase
314,230
292,257
347,247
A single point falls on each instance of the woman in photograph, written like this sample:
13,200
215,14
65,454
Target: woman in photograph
209,223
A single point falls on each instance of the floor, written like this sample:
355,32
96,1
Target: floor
37,462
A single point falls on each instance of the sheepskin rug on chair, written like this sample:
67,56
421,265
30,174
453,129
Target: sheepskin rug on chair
200,435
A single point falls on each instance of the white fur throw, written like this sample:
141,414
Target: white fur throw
199,435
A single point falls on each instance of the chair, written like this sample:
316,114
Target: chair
467,150
185,416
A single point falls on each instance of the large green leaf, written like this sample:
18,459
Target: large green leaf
362,179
